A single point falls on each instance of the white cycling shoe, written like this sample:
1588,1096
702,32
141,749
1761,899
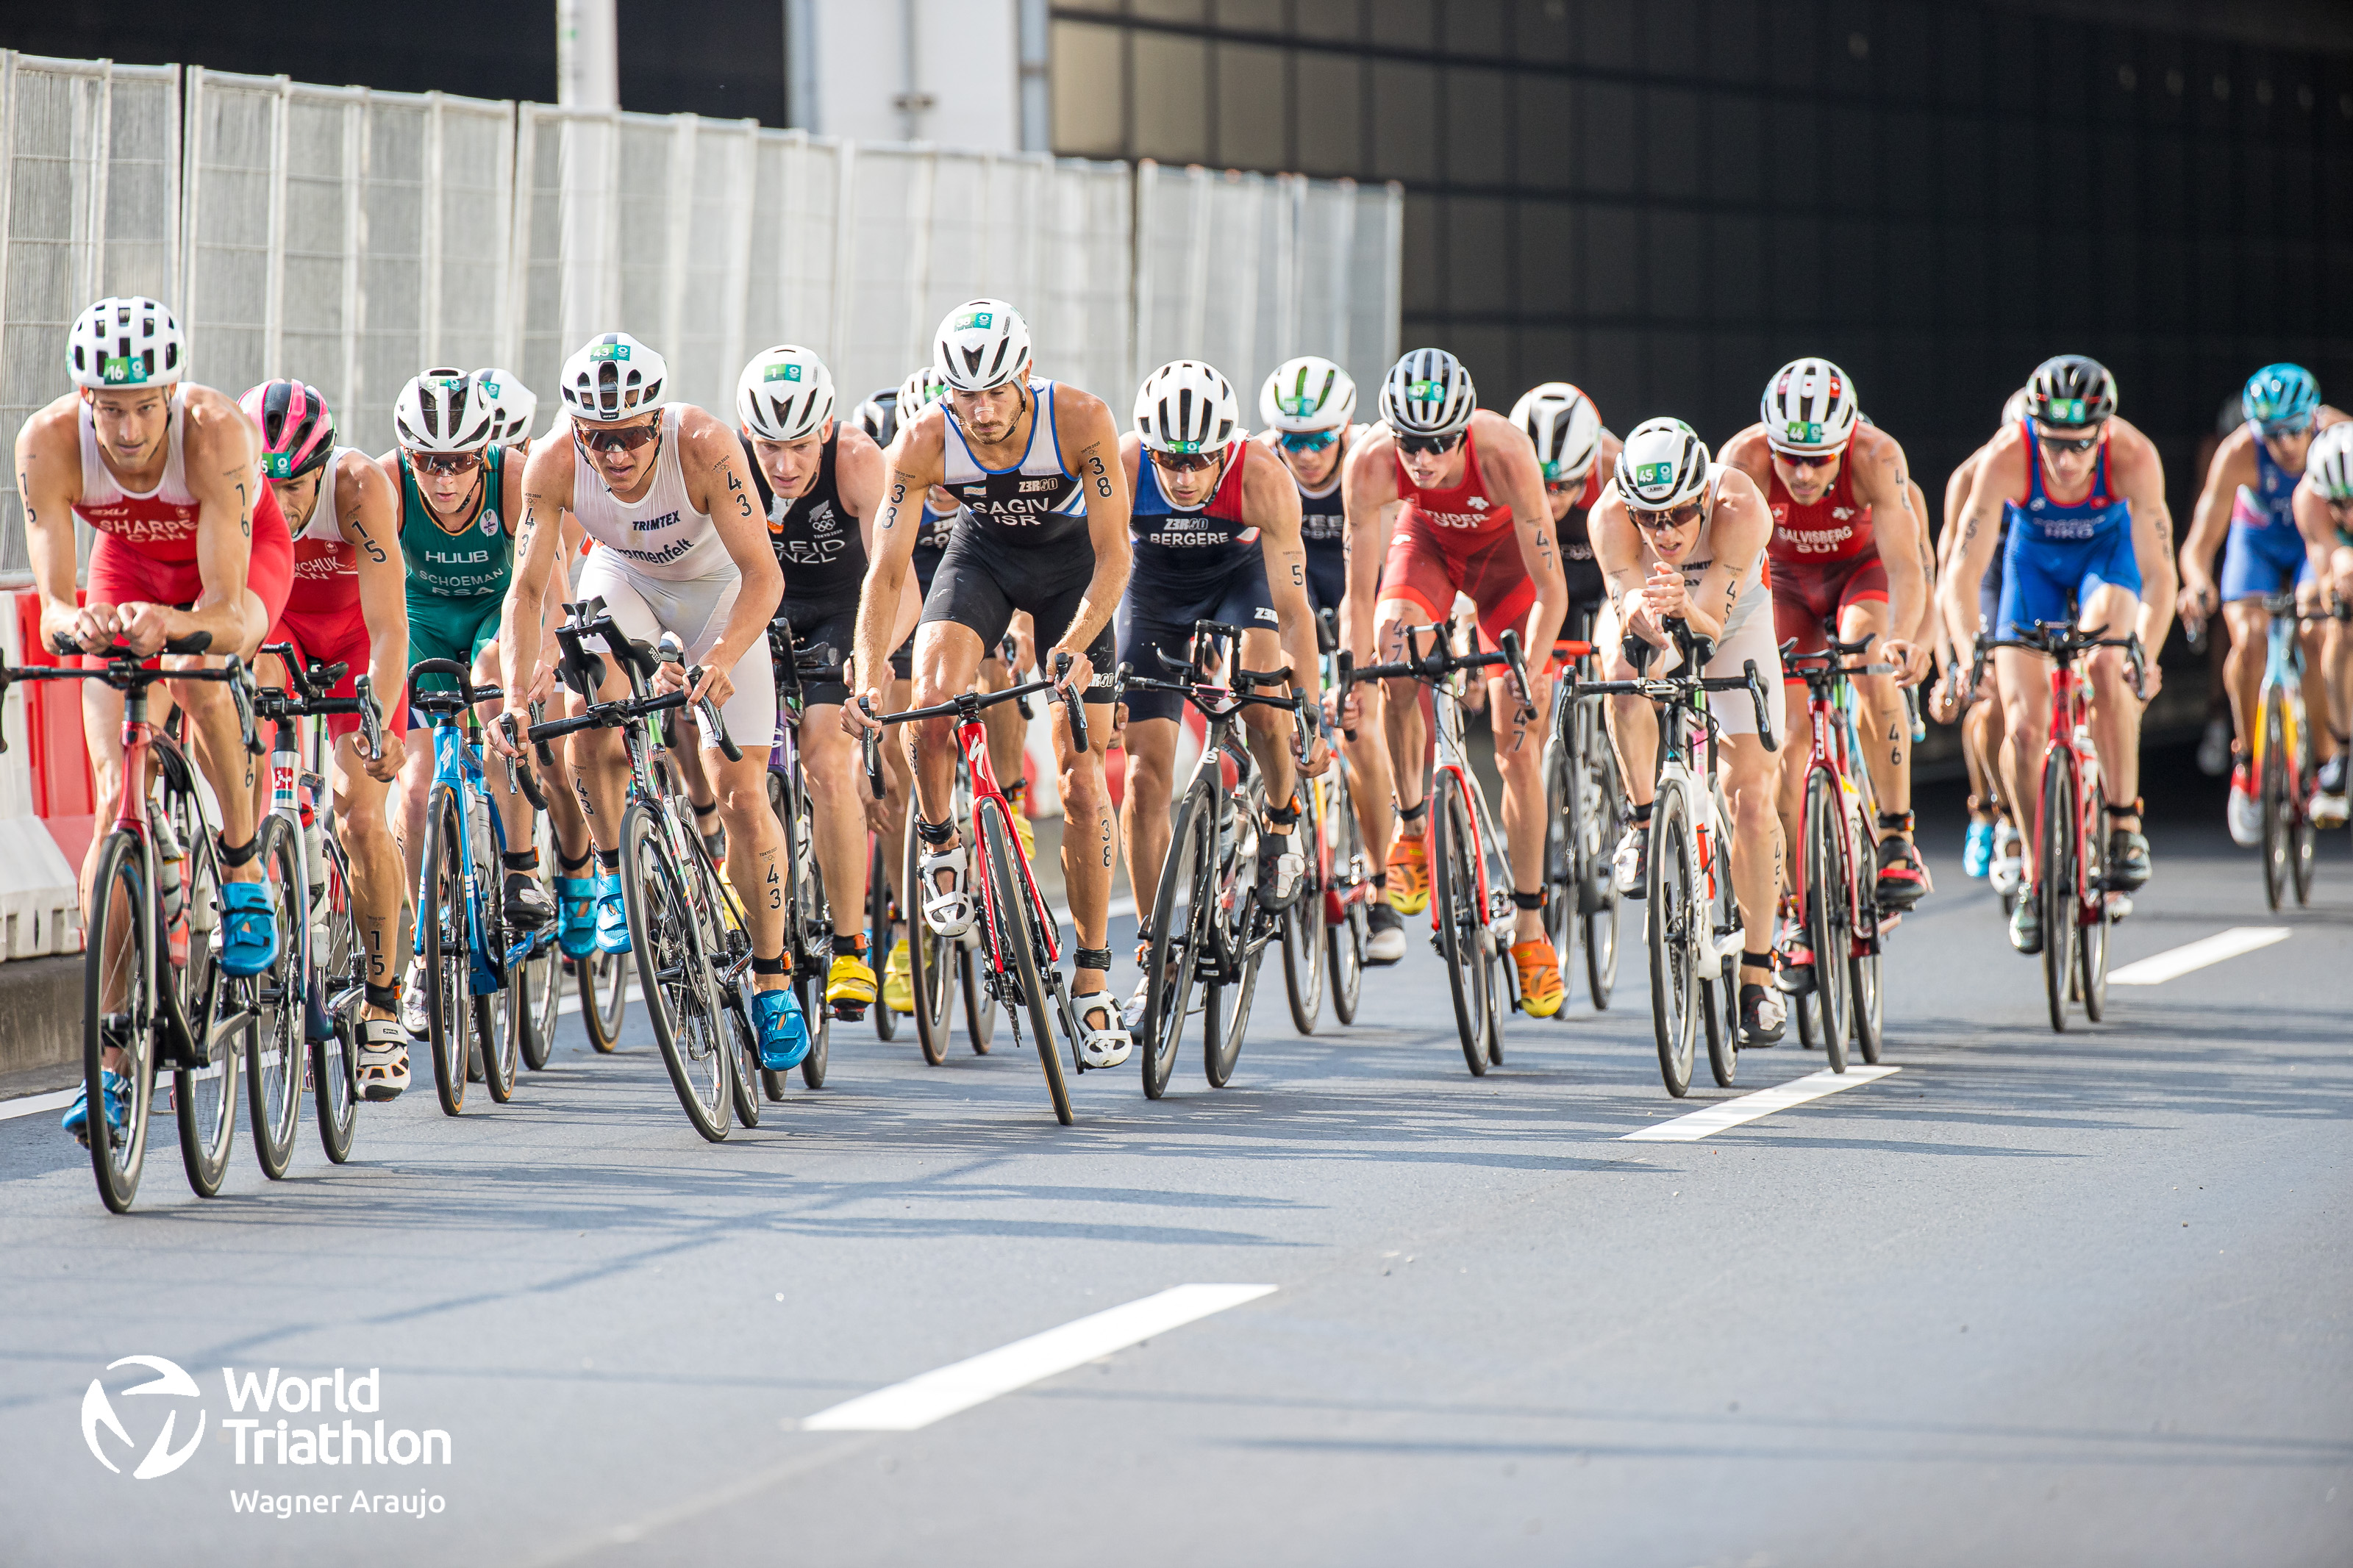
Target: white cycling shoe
1109,1046
949,913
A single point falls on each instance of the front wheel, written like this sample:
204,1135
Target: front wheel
932,960
1013,923
334,1058
1241,932
1345,936
1302,922
881,923
2057,878
1461,920
274,1083
2278,826
1186,892
122,1011
674,973
1827,910
1671,918
448,963
1721,992
1602,806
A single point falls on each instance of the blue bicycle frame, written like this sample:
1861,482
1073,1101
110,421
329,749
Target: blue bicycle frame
457,762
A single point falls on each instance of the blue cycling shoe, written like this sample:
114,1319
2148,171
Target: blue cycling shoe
248,927
75,1120
612,916
576,933
1976,854
783,1030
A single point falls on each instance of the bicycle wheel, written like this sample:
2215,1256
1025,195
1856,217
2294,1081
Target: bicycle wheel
744,1060
1345,938
931,960
1827,913
2272,785
2055,879
2303,837
498,1040
979,1002
274,1076
1671,917
121,1008
1721,994
674,972
204,1097
1560,916
1303,923
813,944
881,926
539,974
1865,1003
1186,894
1012,925
2091,913
338,969
1462,919
1602,804
1243,930
604,987
447,963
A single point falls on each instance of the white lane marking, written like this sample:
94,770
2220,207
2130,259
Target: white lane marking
570,1001
920,1401
1749,1107
33,1104
2181,961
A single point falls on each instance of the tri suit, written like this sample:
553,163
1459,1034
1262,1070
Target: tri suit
823,554
322,617
1823,557
1201,564
2264,552
457,579
2057,556
1458,541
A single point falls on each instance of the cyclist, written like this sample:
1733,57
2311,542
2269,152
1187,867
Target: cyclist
1992,831
189,540
1306,406
663,489
1036,466
1216,522
2081,493
348,606
2324,513
820,484
1846,548
460,496
1473,520
1683,538
2250,493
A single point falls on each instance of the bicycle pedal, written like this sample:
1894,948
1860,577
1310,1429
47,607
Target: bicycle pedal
849,1012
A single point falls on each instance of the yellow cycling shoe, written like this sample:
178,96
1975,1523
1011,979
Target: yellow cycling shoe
1408,868
898,981
848,986
1540,988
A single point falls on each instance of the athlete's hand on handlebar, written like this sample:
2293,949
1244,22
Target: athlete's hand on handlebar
513,721
1910,658
1078,676
142,627
858,718
1665,595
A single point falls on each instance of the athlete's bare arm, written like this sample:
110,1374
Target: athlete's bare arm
717,483
1085,428
1883,481
48,482
858,474
915,462
219,449
1270,505
1618,551
1367,483
2001,472
538,542
1509,469
2209,520
2139,475
367,509
1740,526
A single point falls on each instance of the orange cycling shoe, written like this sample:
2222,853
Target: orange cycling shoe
1408,868
1540,988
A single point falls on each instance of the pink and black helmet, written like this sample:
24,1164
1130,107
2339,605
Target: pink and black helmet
298,434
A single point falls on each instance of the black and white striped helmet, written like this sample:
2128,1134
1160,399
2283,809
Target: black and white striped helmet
1185,407
1662,465
2071,392
878,414
613,377
786,394
1809,406
981,345
445,411
1566,427
1428,392
1307,394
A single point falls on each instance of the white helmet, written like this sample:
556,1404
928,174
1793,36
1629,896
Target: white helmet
786,394
125,340
1662,465
1809,406
613,377
1429,393
1185,407
1566,427
982,343
1306,394
921,388
878,414
445,411
516,407
2013,409
2329,462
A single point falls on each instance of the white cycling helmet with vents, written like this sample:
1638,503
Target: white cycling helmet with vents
2329,464
125,340
1662,465
921,388
1428,392
1306,394
1566,427
515,407
445,410
879,416
786,394
1809,406
1185,407
981,345
613,377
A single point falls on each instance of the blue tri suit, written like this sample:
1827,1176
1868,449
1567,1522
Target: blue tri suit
2056,557
2264,553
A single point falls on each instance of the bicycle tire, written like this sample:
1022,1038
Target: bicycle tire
1828,887
2055,883
334,1058
979,1003
879,938
1242,932
1302,922
674,973
2092,936
447,973
1668,917
744,1087
540,973
1345,939
204,1099
1012,919
603,988
1176,957
273,1079
121,962
1461,920
1560,915
808,939
930,962
2273,788
2303,835
1604,809
497,1038
1721,994
1866,1002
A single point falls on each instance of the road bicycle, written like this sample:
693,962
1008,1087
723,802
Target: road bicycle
2071,850
1834,874
1583,815
940,968
1692,919
2285,773
333,961
809,917
1328,927
1015,927
154,997
689,941
1208,880
534,998
1472,912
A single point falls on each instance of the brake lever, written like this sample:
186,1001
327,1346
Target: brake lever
1756,695
371,719
871,742
1071,703
716,719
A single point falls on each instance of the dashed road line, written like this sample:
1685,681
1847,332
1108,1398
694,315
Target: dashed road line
1749,1107
2178,962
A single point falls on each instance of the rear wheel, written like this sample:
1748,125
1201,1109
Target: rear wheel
448,970
882,928
744,1058
604,980
2055,880
1014,922
1344,939
2091,913
1186,892
1241,937
932,961
813,929
1721,991
342,965
123,972
538,981
1603,807
674,974
1671,916
274,1083
1462,919
205,1099
1827,913
2278,829
1560,914
1302,922
2303,835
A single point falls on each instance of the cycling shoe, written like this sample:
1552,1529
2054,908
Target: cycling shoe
783,1029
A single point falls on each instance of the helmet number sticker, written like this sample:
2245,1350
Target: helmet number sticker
2063,411
1299,408
277,465
982,319
1649,474
123,370
1424,391
1805,430
603,352
785,372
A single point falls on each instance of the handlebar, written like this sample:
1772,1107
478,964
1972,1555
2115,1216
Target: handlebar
130,672
1675,687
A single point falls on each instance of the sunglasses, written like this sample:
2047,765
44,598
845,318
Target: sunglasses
1308,440
1665,521
1805,459
623,440
2063,444
1429,445
2279,427
444,463
1184,462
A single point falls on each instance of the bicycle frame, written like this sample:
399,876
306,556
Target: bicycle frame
1829,714
2283,669
1453,757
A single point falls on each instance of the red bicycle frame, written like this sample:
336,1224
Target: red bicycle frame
972,740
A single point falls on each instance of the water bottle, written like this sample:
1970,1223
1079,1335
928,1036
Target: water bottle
171,854
314,848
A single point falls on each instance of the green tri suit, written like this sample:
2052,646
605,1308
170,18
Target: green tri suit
456,581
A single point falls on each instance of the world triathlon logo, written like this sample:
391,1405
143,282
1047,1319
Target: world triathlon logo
98,1412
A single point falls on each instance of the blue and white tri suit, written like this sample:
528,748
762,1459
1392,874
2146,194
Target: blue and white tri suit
2057,556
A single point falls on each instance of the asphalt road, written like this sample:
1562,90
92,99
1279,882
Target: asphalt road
2032,1298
